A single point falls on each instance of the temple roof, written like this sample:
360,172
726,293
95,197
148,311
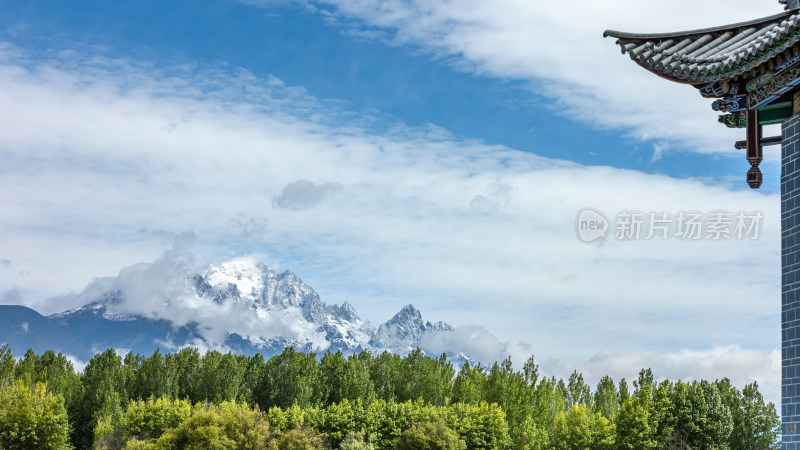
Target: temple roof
703,56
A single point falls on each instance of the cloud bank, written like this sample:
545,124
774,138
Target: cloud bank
96,149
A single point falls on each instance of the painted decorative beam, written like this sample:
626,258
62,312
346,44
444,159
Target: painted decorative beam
765,142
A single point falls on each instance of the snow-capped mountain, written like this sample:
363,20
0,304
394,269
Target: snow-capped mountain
259,310
404,331
286,297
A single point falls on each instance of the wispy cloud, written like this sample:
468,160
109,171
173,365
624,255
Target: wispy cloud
559,51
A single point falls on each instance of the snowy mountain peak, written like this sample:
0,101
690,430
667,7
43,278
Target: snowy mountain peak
408,315
347,312
239,279
241,305
440,326
289,276
100,307
257,284
403,331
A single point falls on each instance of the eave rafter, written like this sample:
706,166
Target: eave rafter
702,57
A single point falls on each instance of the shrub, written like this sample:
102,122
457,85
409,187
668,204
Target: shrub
299,439
355,440
430,436
229,425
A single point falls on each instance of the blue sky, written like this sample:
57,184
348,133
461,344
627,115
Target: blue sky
399,83
447,149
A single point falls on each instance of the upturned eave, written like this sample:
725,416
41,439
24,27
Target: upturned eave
703,56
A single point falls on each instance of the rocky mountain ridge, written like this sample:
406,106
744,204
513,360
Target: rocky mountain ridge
276,310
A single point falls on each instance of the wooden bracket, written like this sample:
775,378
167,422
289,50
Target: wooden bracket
765,142
795,102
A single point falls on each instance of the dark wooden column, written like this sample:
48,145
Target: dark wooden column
754,151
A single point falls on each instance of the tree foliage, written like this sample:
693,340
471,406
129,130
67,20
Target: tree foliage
31,417
579,428
360,401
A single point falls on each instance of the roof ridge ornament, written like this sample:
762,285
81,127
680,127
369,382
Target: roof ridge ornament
790,5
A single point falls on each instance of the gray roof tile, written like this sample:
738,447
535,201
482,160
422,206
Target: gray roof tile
702,56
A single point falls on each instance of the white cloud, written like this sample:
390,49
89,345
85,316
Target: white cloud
11,297
303,194
659,149
90,159
476,342
742,366
494,196
77,364
561,53
250,227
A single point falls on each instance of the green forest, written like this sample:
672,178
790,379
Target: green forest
296,400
